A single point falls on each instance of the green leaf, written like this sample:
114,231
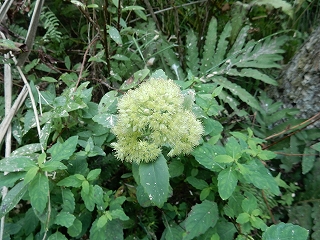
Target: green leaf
309,156
72,181
108,102
192,53
175,168
9,179
212,127
105,119
39,192
119,213
12,198
87,195
93,174
285,231
27,149
197,183
75,229
31,174
223,159
48,79
112,230
68,200
102,221
284,5
51,166
154,177
243,218
249,203
57,235
316,146
253,73
114,35
16,164
240,92
227,182
205,154
60,151
200,219
131,8
64,219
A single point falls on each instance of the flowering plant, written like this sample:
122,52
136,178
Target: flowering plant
153,116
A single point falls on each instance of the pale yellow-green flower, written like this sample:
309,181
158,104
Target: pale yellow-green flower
153,116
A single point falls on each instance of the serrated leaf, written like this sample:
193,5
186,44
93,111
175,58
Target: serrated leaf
39,192
309,156
154,178
61,151
112,230
200,219
212,126
222,45
253,73
57,235
192,53
75,229
93,174
227,182
9,179
197,183
175,168
12,198
205,155
285,231
249,203
106,119
235,89
243,218
209,47
87,195
316,146
64,219
71,181
119,213
53,166
223,159
16,164
68,200
102,221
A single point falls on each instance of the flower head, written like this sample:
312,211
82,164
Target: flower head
152,116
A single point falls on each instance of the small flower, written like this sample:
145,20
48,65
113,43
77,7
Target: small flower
151,116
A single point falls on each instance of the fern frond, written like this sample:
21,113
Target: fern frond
51,24
172,61
238,91
18,31
209,48
222,45
192,53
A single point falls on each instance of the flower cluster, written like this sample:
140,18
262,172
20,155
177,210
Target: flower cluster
153,116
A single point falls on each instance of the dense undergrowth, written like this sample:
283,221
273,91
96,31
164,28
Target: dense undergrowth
96,153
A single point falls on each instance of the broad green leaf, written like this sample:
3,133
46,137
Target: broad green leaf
64,219
93,174
225,229
61,151
119,213
257,174
200,219
53,166
68,200
87,195
115,35
205,193
31,174
212,127
249,203
175,168
39,192
257,222
197,183
154,177
108,102
27,149
57,236
309,156
205,155
102,221
16,164
9,179
106,119
316,146
227,182
112,230
75,229
285,231
85,187
142,197
71,181
12,198
243,218
223,159
172,232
